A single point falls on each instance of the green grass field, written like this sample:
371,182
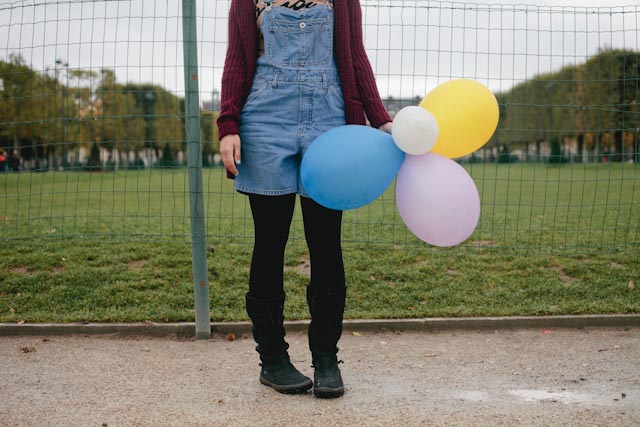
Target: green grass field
525,207
115,247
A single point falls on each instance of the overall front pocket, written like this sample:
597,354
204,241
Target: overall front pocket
299,43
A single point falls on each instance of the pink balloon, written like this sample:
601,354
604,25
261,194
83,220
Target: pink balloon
437,199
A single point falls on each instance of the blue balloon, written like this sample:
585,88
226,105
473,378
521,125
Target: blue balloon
350,166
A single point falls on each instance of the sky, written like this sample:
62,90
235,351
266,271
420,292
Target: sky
413,45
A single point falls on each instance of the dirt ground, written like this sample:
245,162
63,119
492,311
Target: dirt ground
564,377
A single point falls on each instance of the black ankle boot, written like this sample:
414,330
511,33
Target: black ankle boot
327,380
267,317
278,373
326,306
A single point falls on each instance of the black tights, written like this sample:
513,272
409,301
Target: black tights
272,217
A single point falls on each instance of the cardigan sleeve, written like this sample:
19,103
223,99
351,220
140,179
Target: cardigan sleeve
365,79
233,80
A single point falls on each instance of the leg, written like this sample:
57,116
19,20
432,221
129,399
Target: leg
323,231
265,300
325,295
271,220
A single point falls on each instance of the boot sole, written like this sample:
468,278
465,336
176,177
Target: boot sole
289,388
328,393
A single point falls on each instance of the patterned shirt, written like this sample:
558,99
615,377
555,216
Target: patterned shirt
291,4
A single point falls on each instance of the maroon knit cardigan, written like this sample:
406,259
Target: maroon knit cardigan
359,88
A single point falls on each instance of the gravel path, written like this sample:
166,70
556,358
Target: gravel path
585,377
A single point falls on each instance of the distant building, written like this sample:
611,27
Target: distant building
394,105
214,103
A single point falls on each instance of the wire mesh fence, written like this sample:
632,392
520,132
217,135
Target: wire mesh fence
93,137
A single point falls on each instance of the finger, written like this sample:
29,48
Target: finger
233,170
236,151
227,156
230,165
227,159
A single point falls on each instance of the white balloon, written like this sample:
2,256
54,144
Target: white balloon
414,130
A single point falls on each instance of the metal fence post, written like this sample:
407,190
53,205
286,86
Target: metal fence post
194,165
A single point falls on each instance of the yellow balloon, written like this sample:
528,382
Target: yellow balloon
467,115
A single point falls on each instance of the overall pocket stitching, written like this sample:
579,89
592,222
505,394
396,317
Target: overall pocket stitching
255,94
284,28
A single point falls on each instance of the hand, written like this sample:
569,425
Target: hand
386,127
230,152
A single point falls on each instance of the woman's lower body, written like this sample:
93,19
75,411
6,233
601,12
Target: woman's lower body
272,220
325,293
284,113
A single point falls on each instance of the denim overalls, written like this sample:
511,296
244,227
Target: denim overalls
295,97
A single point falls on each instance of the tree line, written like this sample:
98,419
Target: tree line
583,112
86,119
